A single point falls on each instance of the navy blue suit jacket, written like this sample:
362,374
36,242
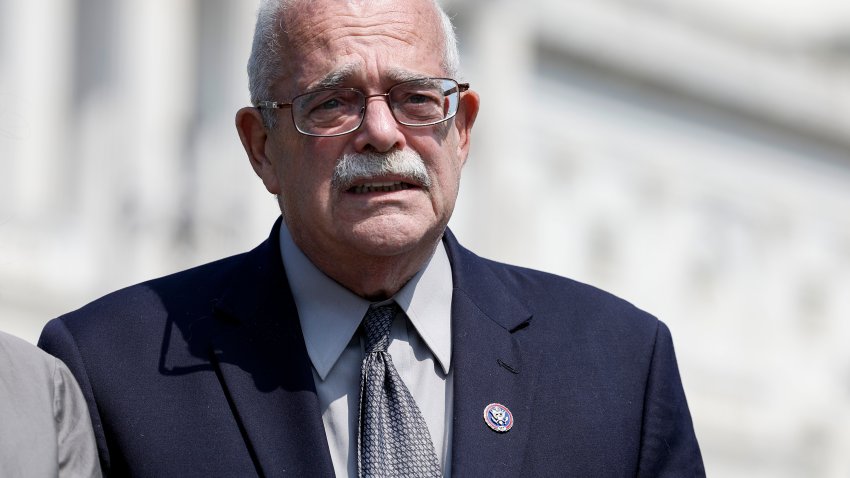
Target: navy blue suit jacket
205,373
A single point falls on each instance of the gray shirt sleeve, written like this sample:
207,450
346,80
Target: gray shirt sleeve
45,429
76,449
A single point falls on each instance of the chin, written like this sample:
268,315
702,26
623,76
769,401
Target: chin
393,235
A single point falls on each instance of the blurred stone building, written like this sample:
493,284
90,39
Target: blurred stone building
692,157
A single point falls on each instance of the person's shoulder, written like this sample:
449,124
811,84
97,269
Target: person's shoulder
564,306
24,362
18,349
209,278
537,283
190,289
565,302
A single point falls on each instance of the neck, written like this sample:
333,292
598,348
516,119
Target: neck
374,278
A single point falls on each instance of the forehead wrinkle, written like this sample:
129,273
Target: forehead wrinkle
358,33
322,30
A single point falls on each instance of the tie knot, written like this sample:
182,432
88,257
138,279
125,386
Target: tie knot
377,326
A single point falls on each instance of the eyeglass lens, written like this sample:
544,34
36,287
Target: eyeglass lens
339,111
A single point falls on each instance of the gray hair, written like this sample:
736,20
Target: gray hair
265,65
405,163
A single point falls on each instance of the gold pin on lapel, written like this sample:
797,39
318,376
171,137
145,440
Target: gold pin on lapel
498,417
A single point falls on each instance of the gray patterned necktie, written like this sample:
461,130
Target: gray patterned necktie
394,438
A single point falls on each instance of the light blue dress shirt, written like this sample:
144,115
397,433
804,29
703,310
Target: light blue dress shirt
420,348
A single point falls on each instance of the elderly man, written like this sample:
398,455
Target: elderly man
360,338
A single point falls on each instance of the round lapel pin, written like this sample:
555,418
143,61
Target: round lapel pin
498,417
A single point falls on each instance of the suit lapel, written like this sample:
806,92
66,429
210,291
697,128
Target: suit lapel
491,364
262,363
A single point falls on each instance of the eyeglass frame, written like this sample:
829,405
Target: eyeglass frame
266,104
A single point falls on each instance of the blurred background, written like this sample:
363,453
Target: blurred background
691,157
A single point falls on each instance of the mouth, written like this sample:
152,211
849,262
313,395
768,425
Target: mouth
380,187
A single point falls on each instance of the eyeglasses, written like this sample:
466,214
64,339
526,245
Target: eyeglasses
339,111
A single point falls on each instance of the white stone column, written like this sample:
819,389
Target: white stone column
232,211
157,78
35,66
496,210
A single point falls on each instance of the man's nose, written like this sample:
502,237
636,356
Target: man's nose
379,131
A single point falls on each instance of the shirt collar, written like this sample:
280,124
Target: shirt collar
330,314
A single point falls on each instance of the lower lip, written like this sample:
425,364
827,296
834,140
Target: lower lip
357,191
380,196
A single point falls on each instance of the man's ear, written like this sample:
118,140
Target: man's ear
254,137
467,111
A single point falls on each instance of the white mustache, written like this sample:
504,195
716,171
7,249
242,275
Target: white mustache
353,167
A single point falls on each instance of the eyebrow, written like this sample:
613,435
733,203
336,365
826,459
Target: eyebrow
334,79
400,74
339,76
